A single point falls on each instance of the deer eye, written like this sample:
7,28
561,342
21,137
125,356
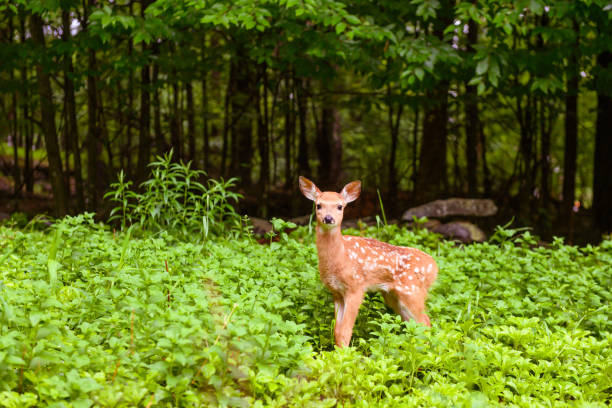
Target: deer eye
340,207
318,206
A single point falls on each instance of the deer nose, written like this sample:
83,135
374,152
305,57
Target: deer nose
328,219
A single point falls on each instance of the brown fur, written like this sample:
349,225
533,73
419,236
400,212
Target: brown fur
349,266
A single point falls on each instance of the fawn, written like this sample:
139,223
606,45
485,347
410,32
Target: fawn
349,266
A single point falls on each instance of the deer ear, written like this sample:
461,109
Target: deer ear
308,188
351,191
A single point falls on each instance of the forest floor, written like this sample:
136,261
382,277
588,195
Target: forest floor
91,316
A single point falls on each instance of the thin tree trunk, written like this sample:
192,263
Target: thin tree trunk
226,120
458,182
14,119
482,146
71,119
242,118
571,136
262,140
93,134
105,140
302,102
160,143
324,146
329,142
175,122
205,112
432,179
127,150
415,149
393,121
525,157
289,130
472,119
545,160
26,123
602,169
191,138
144,137
60,201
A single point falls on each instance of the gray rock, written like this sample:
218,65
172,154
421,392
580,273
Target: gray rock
453,206
260,226
463,231
303,220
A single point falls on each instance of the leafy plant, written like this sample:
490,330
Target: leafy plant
174,199
89,317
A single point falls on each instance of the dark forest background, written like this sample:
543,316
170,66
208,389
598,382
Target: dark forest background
420,99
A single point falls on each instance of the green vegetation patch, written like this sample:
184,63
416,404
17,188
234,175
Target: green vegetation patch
89,317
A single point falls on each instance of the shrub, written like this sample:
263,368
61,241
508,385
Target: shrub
173,199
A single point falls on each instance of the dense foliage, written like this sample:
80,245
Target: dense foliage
173,199
89,316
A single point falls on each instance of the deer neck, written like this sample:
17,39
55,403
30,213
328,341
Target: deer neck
330,245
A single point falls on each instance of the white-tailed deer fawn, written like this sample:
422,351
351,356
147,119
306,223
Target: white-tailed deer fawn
349,266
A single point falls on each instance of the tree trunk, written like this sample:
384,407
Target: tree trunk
432,179
526,119
160,143
571,137
107,167
602,169
14,120
127,150
472,119
289,130
242,117
26,123
205,112
226,120
545,219
329,142
71,115
302,157
93,135
191,137
175,122
60,201
415,149
486,176
393,121
262,139
144,136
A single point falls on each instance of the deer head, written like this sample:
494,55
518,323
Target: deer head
329,204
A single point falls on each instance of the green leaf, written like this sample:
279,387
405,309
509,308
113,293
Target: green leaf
420,73
482,66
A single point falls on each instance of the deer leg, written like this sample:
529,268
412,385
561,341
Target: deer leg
344,329
413,307
391,301
338,309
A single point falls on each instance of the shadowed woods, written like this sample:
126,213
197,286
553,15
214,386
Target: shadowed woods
420,100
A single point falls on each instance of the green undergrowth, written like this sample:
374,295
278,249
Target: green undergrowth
89,317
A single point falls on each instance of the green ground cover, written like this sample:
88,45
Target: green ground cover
89,317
